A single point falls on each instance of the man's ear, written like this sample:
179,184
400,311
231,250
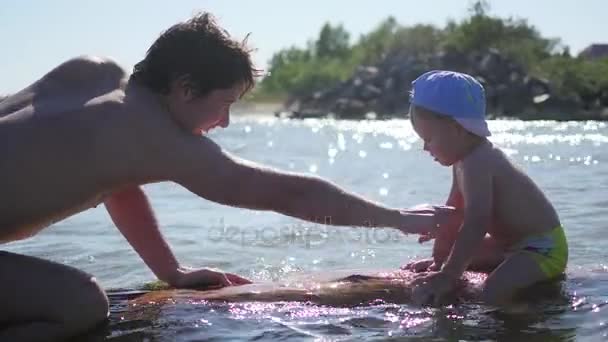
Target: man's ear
183,88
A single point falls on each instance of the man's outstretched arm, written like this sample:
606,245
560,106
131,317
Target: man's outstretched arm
208,171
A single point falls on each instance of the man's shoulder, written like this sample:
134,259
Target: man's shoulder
86,69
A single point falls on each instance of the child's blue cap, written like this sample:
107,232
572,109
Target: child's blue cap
454,94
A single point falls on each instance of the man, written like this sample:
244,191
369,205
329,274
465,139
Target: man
87,133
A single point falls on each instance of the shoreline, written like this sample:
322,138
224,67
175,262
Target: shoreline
276,109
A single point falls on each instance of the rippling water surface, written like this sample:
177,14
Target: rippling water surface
379,159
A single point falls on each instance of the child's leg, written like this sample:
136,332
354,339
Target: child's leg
517,272
490,255
539,258
46,301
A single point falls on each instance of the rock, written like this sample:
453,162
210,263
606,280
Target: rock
369,92
350,108
604,114
384,89
541,98
536,86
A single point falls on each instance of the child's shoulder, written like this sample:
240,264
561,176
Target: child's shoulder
483,152
485,156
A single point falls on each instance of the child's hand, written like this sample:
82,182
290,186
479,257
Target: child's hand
418,265
432,288
423,265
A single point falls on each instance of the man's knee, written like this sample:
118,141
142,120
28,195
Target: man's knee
98,301
89,307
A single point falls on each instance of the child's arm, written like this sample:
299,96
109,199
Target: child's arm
444,236
447,233
476,181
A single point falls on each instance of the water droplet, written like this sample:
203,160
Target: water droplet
358,138
362,154
341,142
332,152
313,168
383,191
270,143
385,175
578,302
247,129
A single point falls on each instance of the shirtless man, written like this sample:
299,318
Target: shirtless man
88,133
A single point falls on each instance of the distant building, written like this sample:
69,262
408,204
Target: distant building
595,51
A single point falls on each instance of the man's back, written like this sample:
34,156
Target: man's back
51,143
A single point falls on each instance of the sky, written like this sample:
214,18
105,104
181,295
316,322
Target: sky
35,36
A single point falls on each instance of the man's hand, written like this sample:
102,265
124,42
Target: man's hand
425,219
432,288
423,265
427,236
206,278
443,213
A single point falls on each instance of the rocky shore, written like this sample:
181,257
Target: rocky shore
381,91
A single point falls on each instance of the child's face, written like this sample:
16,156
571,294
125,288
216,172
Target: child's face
441,137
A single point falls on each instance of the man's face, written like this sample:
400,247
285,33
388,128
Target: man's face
200,114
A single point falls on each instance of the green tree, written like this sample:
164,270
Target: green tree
514,37
332,42
373,46
330,58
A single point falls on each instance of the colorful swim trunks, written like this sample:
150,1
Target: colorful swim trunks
550,250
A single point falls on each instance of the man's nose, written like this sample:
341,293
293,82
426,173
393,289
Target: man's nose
225,121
